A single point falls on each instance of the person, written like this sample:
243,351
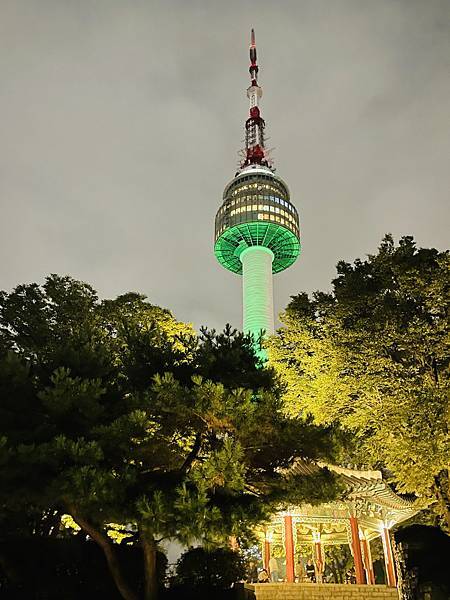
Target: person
273,568
350,576
310,571
263,576
252,573
299,571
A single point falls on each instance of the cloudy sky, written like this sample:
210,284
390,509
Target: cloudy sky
120,123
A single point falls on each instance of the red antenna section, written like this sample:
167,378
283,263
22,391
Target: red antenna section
255,152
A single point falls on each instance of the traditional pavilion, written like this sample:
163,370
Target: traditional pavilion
369,509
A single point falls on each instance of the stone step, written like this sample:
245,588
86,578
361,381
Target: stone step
329,591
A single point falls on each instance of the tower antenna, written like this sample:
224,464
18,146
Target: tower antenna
255,150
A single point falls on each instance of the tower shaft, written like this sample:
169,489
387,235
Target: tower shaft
257,290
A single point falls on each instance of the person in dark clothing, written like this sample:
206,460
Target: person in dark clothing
263,576
252,572
310,571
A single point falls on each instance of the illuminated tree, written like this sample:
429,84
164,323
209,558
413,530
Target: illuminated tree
373,355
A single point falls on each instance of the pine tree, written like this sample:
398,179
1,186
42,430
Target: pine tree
115,413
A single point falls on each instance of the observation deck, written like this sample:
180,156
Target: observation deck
257,211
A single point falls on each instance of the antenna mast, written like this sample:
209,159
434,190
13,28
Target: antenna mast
255,152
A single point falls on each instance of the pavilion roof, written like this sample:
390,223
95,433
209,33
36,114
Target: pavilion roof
367,485
367,495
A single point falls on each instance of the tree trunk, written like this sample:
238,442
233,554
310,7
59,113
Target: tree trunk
442,485
151,581
110,554
335,571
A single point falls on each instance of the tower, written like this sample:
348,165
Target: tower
257,226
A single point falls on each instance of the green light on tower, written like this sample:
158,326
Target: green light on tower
257,230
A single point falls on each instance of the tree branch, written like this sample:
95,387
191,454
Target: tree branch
192,454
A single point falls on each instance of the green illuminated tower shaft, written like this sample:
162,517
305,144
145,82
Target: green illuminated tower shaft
257,288
257,226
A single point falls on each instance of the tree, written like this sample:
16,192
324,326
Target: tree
373,355
114,412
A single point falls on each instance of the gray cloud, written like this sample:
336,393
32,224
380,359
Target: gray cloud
120,123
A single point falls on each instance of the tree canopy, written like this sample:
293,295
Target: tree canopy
373,356
114,412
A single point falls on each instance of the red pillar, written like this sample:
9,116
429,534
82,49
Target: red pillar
368,564
266,554
357,555
319,560
289,546
388,557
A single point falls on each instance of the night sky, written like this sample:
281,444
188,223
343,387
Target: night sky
120,123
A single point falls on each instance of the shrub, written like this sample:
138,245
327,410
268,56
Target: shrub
214,570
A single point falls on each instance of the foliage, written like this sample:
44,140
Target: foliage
114,412
218,569
373,355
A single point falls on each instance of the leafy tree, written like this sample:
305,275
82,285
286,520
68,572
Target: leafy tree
373,355
114,412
